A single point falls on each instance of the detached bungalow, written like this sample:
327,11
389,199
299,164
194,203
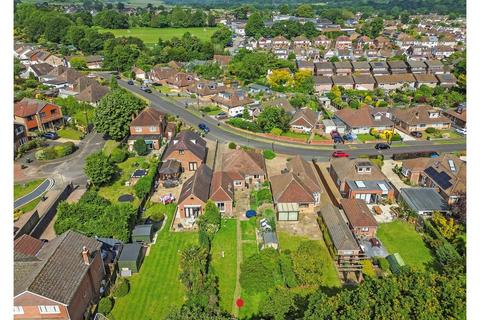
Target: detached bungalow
361,120
304,120
159,74
232,101
420,118
246,168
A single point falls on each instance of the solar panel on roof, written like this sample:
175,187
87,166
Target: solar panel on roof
440,178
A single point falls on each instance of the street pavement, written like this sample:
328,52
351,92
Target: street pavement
308,152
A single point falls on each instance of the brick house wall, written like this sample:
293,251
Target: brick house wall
359,233
190,201
38,121
228,205
185,159
352,193
30,302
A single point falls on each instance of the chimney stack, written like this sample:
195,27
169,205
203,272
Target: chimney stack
85,255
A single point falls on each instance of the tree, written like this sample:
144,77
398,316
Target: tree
140,147
121,289
211,70
78,63
222,36
209,223
284,9
260,272
114,113
306,265
304,82
273,117
280,78
111,19
255,26
305,10
105,305
447,227
459,208
113,83
279,304
99,169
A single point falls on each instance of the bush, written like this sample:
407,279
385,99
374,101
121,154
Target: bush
105,305
384,265
264,196
118,155
269,154
140,147
276,131
122,287
155,212
431,130
32,144
244,124
232,145
286,267
64,149
260,272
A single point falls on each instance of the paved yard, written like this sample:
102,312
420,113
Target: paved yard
371,251
307,226
386,215
387,170
275,166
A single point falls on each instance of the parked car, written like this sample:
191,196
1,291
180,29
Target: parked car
130,82
416,134
461,131
50,135
221,115
382,146
340,154
203,127
375,242
146,89
348,137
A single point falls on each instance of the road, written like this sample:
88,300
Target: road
308,152
43,187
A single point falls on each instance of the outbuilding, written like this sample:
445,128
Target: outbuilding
270,240
130,259
424,201
142,233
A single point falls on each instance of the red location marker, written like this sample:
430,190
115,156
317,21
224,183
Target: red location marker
240,302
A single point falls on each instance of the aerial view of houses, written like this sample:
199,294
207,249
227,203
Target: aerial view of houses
233,161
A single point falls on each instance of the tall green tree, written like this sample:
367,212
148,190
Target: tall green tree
255,26
305,10
273,117
114,113
99,169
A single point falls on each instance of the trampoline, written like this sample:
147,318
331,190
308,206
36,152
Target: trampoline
125,198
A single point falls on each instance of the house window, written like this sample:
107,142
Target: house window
42,114
17,310
303,205
192,166
181,151
138,129
365,229
256,176
221,206
53,111
237,183
153,129
48,309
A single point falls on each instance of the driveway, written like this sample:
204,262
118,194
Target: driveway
387,169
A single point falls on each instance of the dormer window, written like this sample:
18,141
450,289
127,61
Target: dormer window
433,114
181,152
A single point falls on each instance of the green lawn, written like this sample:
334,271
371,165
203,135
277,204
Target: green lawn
248,229
317,137
438,135
400,236
163,89
118,187
252,303
225,267
365,137
296,135
69,133
249,249
291,242
21,189
109,146
150,36
156,289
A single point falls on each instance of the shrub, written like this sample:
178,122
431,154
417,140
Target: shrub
269,154
264,196
260,272
276,131
232,145
105,305
140,147
431,130
244,124
64,149
383,263
32,144
286,268
155,212
118,155
122,287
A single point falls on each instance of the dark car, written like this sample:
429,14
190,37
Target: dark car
416,134
382,146
50,135
130,82
146,89
375,242
203,127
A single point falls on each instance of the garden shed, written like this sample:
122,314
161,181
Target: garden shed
270,240
142,233
130,259
396,262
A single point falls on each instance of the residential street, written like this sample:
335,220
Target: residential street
310,152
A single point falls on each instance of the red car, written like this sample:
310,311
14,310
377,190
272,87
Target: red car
340,154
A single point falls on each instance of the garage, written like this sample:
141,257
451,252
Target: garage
287,211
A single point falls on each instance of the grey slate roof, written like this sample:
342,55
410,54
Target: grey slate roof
57,270
423,199
338,229
183,141
369,185
142,230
